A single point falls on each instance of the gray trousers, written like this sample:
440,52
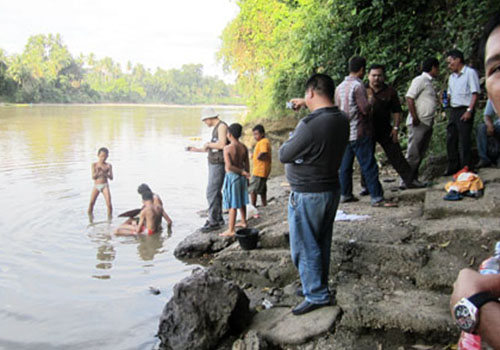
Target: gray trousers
419,139
216,174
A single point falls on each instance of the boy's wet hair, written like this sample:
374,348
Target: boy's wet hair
147,195
259,128
235,130
143,188
103,149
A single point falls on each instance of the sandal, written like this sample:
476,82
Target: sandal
384,204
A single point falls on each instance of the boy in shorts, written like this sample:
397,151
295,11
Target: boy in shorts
101,172
261,166
149,218
234,190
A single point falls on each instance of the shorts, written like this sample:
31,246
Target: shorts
145,230
258,185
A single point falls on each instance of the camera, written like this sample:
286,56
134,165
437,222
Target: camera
290,105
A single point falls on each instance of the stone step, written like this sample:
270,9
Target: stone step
424,313
259,267
366,258
435,207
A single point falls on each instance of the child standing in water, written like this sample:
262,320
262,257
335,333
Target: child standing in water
235,188
101,172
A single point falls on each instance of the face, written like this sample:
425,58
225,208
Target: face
209,122
102,156
492,67
376,77
257,135
453,64
434,71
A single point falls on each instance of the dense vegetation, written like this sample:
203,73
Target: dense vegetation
274,45
47,72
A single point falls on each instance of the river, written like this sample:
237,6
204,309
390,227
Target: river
67,282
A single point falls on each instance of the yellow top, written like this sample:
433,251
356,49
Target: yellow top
262,168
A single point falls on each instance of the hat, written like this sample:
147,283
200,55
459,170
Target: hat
207,113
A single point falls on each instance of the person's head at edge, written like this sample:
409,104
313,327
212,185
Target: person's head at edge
431,66
320,90
103,153
376,75
357,66
258,132
234,131
147,196
491,44
209,117
143,188
455,60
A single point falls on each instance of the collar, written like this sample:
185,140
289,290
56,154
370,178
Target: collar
353,78
462,71
427,75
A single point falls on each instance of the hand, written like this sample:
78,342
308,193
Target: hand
466,285
189,148
206,147
466,116
490,130
245,174
415,121
394,136
298,103
371,96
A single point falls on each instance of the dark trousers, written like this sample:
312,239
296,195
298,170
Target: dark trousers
394,155
458,140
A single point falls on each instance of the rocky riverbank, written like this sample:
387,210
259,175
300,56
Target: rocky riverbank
392,273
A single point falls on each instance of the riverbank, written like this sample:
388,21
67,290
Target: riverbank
391,273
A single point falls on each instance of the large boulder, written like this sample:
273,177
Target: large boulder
203,309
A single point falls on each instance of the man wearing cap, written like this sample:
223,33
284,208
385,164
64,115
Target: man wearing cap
216,170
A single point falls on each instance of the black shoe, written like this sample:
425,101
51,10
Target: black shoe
221,222
449,172
299,292
364,192
348,199
209,228
305,307
483,164
413,184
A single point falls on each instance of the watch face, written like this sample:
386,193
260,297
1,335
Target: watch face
465,317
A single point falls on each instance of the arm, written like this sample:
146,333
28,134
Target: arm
413,111
94,171
361,97
468,113
395,129
222,141
265,152
298,103
489,112
195,149
470,282
110,174
166,217
142,217
247,162
297,145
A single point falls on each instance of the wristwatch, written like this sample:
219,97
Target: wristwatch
466,311
396,128
469,109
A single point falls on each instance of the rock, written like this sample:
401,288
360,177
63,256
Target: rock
251,341
203,309
198,244
279,326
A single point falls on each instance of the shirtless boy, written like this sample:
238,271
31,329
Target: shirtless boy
235,188
157,201
149,218
101,172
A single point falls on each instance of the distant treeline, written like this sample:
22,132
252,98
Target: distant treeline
47,72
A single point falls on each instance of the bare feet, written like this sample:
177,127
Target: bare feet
227,233
241,224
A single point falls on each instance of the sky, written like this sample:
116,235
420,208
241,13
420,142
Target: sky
155,33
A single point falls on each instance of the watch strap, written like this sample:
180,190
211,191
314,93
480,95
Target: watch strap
482,298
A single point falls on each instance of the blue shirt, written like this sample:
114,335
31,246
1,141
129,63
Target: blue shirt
462,85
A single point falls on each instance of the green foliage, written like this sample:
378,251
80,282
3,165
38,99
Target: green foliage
47,72
274,45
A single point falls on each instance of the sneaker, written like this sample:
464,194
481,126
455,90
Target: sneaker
209,228
483,164
349,199
364,192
